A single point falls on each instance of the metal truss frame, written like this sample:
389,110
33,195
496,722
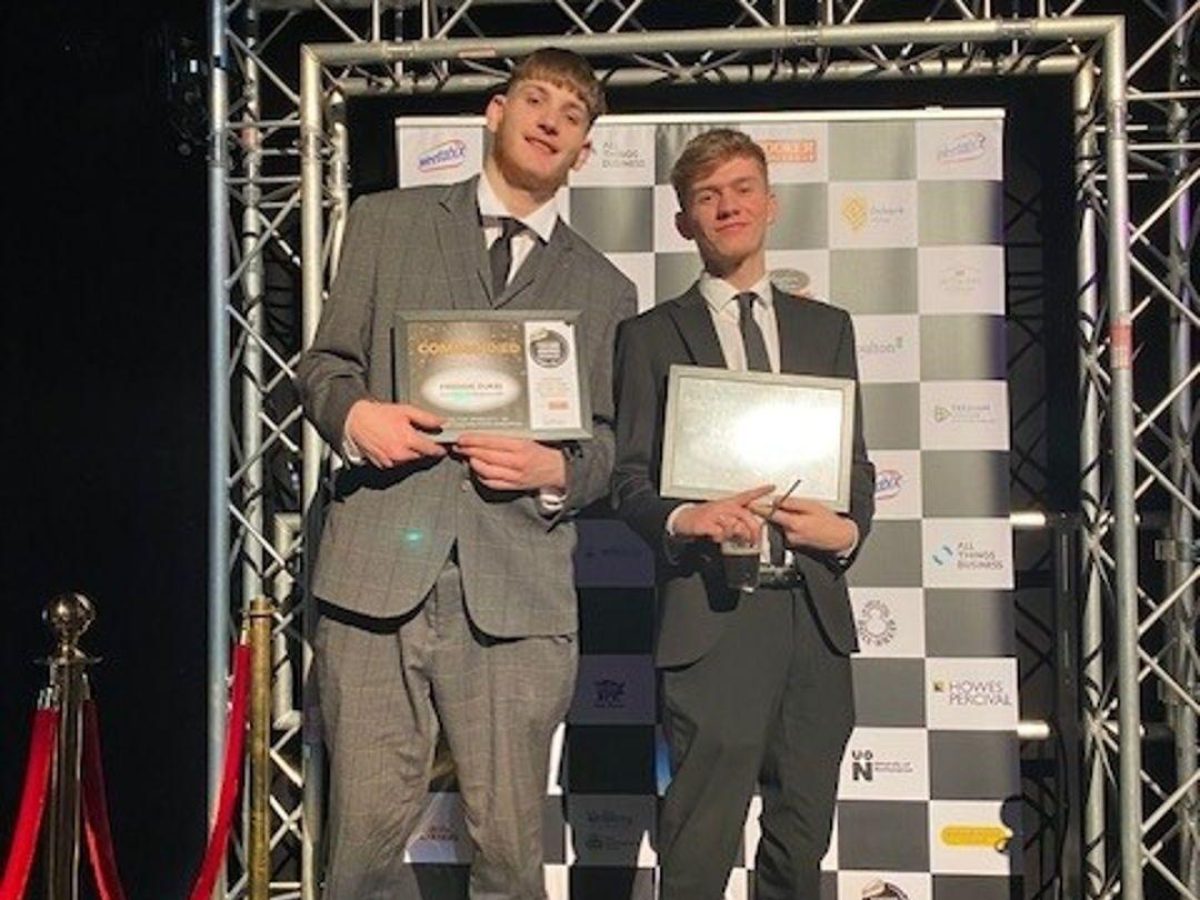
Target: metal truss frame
278,194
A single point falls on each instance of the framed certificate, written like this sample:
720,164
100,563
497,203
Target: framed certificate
728,431
513,372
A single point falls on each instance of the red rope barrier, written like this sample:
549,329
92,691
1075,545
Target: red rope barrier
95,810
235,738
33,803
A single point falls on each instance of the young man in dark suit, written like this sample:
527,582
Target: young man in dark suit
755,686
444,574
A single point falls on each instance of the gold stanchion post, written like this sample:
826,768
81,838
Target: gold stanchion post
259,870
68,616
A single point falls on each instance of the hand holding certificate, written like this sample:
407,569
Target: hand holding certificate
512,372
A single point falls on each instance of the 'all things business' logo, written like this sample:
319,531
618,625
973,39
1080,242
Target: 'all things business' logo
966,556
614,155
447,155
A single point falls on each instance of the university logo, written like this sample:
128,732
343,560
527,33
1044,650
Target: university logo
447,155
796,151
963,147
876,625
960,279
855,211
610,693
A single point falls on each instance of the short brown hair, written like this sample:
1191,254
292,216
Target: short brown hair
564,69
708,150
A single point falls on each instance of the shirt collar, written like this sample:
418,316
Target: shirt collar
541,221
719,293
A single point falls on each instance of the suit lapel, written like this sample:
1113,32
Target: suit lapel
694,321
460,240
799,348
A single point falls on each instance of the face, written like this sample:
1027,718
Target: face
540,134
727,212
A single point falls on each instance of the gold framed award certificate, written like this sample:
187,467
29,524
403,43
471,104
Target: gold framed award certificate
728,431
512,372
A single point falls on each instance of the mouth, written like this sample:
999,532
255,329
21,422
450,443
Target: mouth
542,146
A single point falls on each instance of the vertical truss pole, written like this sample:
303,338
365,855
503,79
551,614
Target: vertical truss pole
218,386
1091,651
1124,511
1181,569
311,290
252,309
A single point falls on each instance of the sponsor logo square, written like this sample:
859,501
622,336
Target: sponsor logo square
971,694
437,154
897,484
974,837
884,886
610,830
885,764
964,415
441,836
890,621
609,554
621,154
614,689
955,280
888,348
796,151
967,553
960,149
804,273
872,214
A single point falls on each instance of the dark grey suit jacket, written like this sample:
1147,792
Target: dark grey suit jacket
694,603
388,532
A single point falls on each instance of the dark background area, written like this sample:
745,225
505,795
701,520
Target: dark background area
105,367
105,409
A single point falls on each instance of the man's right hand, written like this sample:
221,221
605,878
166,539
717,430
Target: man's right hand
390,434
724,519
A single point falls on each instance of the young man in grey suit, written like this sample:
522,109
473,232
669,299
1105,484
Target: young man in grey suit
444,573
755,687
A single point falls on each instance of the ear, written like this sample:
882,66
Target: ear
683,224
582,156
772,207
495,112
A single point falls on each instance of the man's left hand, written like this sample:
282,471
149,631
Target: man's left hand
513,464
811,524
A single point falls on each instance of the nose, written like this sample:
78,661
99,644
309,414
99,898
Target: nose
548,120
726,204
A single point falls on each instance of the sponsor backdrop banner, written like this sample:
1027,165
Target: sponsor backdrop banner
897,218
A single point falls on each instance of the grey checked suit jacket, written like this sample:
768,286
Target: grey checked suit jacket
387,533
693,602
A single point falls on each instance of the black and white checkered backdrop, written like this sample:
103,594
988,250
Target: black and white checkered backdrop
897,218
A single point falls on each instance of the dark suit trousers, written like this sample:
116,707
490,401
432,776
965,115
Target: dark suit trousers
771,702
386,691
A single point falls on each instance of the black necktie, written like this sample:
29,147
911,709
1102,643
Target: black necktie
757,361
500,253
752,336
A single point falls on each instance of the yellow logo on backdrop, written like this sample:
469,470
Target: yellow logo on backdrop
854,211
994,836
